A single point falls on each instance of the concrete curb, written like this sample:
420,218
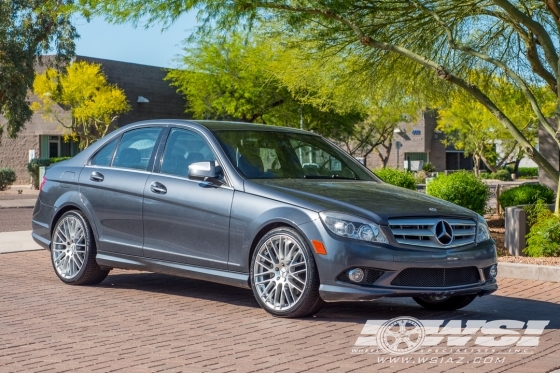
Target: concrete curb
17,203
529,271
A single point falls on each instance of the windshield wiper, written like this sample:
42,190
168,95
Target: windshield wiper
328,177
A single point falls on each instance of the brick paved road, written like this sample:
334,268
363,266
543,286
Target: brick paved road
12,220
142,322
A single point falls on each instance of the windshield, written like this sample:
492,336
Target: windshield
286,155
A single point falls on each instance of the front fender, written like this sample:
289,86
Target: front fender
250,215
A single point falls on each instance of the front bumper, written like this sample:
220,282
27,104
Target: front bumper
349,293
390,260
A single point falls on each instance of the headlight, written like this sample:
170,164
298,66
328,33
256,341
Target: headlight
482,232
352,227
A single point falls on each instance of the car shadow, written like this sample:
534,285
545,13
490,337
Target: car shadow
492,307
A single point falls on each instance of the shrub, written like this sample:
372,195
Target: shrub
544,236
401,178
527,172
486,175
421,177
33,169
525,194
428,167
59,159
502,174
461,188
7,177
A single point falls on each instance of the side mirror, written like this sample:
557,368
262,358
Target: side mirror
206,171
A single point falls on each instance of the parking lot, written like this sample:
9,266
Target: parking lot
143,322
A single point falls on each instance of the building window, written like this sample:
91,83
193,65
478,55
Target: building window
416,157
55,146
456,160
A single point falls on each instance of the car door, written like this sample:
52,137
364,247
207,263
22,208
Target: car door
186,221
112,187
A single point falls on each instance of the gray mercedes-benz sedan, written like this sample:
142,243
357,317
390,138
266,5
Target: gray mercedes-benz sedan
278,210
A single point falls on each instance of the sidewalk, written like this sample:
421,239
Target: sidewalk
12,242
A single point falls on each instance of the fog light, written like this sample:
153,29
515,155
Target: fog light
494,271
356,274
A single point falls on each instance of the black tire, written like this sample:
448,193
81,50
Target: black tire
445,304
89,273
309,301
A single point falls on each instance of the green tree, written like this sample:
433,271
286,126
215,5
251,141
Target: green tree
28,29
82,89
229,78
375,133
469,127
447,39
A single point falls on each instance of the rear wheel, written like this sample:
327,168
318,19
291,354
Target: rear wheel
284,276
73,251
445,302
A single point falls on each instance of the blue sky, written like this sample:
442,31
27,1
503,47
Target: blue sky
138,45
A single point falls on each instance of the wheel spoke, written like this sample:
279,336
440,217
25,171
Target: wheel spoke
79,236
408,342
281,296
295,287
300,271
58,233
265,258
297,278
276,256
391,333
81,261
263,281
396,343
59,258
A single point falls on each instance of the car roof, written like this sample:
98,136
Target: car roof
215,125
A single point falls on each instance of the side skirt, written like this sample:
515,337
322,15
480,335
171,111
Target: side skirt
114,260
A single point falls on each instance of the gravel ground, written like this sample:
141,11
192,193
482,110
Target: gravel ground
12,220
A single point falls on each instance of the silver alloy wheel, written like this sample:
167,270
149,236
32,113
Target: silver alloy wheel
280,272
69,247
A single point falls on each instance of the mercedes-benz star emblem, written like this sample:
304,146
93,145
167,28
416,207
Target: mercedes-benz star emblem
444,232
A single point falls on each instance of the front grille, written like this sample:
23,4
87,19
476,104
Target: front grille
422,231
373,275
437,277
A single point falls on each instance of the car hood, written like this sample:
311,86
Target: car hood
378,201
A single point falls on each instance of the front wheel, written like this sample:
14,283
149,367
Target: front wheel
284,276
444,303
73,251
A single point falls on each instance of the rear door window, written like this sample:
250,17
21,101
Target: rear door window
136,148
105,155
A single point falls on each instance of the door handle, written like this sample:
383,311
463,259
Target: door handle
158,188
96,176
